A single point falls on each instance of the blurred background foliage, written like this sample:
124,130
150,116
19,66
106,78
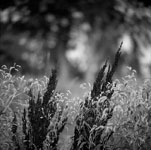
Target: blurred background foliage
75,35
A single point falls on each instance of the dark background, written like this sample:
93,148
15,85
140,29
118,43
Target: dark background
76,36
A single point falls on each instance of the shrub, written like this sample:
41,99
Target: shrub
44,115
131,115
45,119
12,102
91,130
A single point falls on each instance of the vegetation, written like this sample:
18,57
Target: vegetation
38,33
95,112
115,114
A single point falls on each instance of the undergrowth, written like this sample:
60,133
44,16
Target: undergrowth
113,115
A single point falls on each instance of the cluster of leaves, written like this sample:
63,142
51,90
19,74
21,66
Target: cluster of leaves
44,120
131,116
91,130
12,101
30,111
